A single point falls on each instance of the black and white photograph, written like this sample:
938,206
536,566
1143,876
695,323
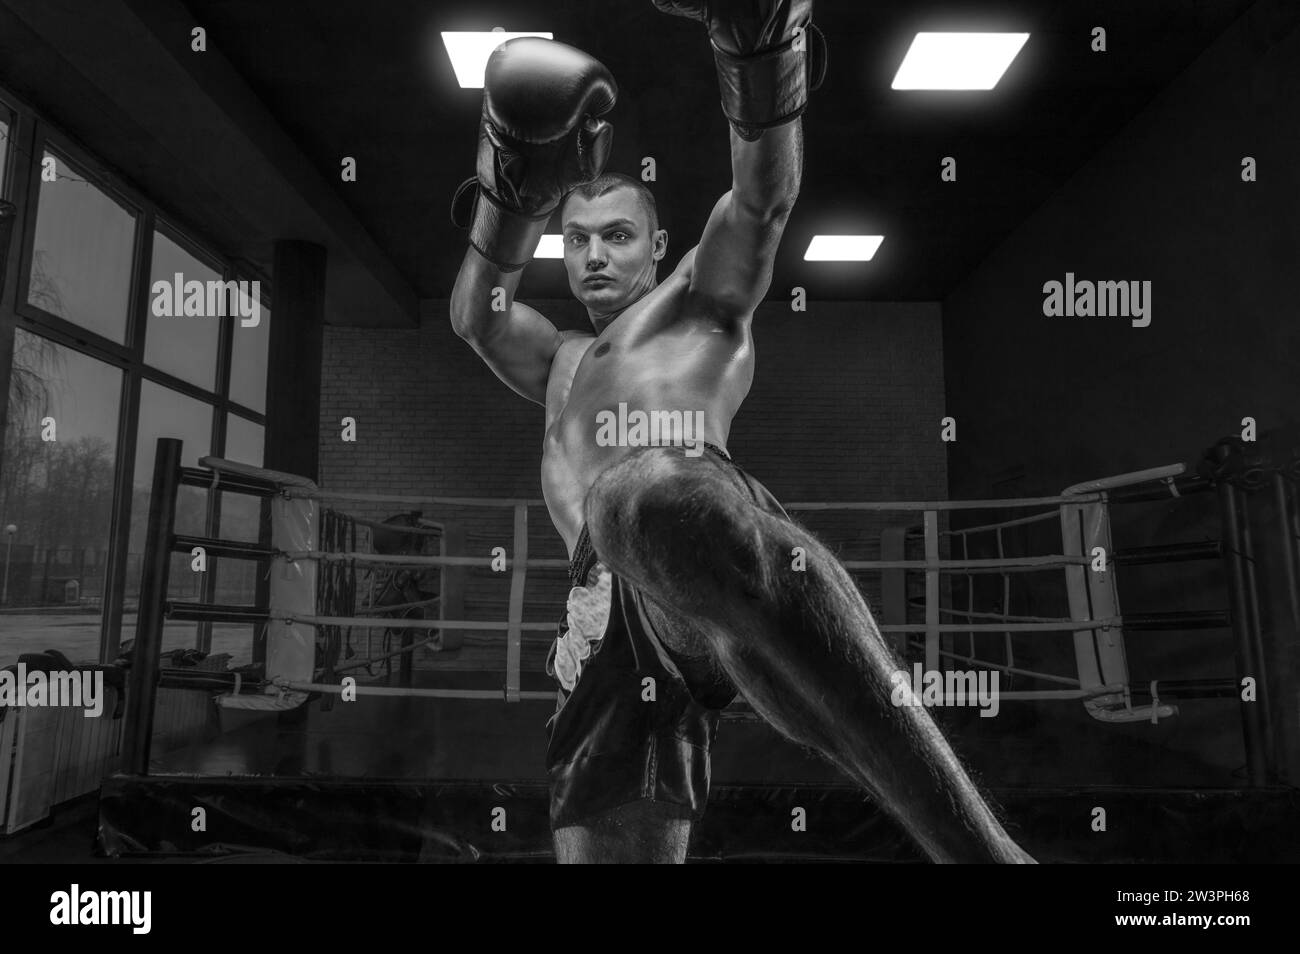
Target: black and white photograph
651,431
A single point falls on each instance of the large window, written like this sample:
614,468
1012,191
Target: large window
181,345
56,496
97,377
81,259
248,364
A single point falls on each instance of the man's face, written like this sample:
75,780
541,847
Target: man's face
609,251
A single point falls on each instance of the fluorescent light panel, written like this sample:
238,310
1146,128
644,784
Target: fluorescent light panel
842,248
822,248
958,60
550,246
469,53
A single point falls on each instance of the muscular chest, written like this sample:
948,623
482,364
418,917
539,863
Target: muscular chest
622,353
651,357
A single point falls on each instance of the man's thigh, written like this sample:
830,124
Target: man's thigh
640,832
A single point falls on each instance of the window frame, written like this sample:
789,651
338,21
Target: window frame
30,136
6,176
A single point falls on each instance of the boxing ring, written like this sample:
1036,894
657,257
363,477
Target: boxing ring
939,600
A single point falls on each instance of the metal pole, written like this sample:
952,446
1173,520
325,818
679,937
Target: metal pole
931,527
1287,527
1264,692
1290,558
518,581
1239,613
142,688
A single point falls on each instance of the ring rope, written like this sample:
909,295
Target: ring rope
386,623
910,505
898,505
1018,521
400,560
1049,561
1024,564
975,614
300,493
358,663
397,528
1075,626
1011,670
394,607
364,689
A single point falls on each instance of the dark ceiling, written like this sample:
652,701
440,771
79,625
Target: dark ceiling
372,81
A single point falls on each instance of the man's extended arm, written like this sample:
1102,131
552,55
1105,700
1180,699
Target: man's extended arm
518,344
763,51
733,264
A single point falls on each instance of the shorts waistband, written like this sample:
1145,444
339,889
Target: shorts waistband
584,556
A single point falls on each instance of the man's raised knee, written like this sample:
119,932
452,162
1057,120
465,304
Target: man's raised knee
640,492
684,514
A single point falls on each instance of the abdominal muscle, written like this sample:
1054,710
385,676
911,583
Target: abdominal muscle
655,362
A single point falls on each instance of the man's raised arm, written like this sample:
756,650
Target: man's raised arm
515,341
540,136
764,53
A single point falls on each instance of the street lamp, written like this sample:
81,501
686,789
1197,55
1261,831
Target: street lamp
9,545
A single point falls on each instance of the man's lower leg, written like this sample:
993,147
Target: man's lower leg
640,832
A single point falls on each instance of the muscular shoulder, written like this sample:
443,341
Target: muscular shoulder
701,304
686,267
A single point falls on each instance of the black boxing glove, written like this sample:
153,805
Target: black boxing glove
539,137
764,79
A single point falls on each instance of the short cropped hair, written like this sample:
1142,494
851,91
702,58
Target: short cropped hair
609,181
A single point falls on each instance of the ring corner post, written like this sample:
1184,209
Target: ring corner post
931,522
518,581
1235,556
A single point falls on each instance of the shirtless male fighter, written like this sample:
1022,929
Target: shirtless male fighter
684,589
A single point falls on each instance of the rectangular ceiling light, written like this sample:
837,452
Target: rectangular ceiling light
842,248
550,246
957,60
469,53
